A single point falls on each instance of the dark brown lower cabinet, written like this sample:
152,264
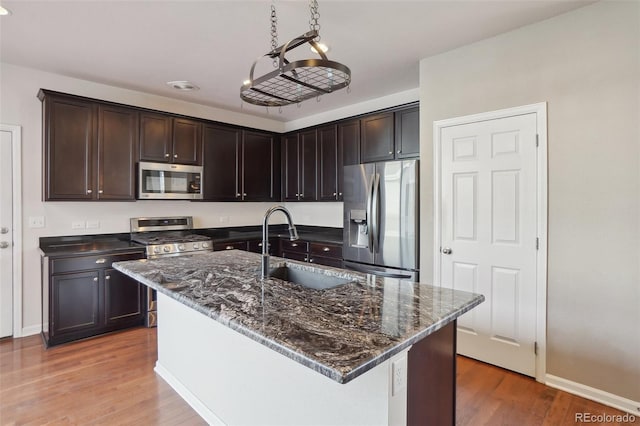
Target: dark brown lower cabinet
327,254
83,296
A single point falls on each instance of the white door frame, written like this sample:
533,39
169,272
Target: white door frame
16,164
540,109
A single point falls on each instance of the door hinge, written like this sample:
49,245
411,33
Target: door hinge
535,348
537,140
537,243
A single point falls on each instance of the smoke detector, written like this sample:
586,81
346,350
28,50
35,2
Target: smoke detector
187,86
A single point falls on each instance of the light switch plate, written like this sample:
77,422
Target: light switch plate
93,224
36,221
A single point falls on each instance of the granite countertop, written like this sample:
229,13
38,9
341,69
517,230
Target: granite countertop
340,332
87,245
308,233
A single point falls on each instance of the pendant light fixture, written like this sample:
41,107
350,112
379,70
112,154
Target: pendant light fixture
294,82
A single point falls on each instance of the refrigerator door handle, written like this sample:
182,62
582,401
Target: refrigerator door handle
375,213
370,214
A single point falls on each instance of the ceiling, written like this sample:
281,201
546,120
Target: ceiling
141,45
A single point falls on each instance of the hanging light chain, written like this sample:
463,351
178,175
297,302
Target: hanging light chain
274,33
314,23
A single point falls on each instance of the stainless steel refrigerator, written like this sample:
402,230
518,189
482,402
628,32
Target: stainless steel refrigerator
381,218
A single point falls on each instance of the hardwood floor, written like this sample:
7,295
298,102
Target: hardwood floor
110,380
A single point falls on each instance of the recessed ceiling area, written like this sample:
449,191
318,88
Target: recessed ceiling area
142,45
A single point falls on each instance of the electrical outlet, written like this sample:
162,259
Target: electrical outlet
399,375
93,224
36,221
77,224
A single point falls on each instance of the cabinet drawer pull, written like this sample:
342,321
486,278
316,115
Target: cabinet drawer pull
294,244
228,248
95,278
326,249
101,260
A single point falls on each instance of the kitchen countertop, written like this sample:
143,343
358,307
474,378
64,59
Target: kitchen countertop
340,332
305,232
88,245
78,245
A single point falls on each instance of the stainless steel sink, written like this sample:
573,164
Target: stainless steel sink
309,279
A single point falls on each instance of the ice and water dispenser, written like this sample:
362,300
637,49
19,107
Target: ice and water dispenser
358,229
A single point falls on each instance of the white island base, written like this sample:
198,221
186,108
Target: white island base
230,379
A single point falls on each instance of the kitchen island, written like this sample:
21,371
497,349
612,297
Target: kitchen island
242,350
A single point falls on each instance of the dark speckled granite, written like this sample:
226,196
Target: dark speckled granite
340,332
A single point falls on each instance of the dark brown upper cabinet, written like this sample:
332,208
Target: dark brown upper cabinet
300,166
168,139
117,153
89,149
240,165
391,135
329,164
407,132
377,137
349,142
260,166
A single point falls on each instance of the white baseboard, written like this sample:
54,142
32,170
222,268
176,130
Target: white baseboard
597,395
188,396
30,331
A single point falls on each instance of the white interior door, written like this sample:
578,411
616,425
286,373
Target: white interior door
488,235
6,235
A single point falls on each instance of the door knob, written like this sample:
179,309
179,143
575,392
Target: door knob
446,250
4,244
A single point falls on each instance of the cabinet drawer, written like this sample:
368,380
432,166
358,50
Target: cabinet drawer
302,257
82,263
298,246
327,261
236,245
326,250
256,246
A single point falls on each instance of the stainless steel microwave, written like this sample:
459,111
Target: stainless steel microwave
164,181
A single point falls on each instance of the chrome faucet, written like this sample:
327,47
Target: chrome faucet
293,235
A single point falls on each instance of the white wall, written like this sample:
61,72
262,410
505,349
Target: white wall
20,106
586,65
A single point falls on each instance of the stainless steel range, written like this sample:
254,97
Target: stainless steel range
164,237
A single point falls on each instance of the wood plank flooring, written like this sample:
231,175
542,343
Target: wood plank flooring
109,380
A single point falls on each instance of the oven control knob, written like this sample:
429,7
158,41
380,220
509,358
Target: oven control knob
156,249
166,249
180,247
196,246
205,245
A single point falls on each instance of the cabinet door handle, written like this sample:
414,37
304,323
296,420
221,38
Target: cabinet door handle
390,152
399,151
101,260
297,195
244,194
334,194
238,195
95,278
108,277
326,249
89,191
311,260
340,194
175,155
100,191
166,155
228,248
294,244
